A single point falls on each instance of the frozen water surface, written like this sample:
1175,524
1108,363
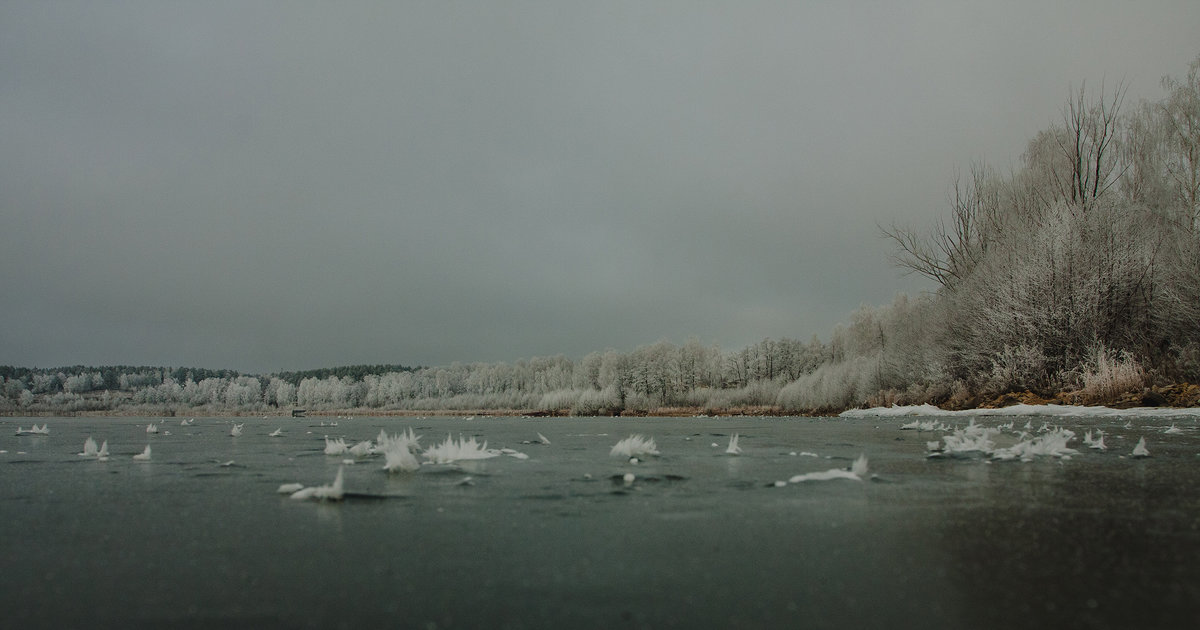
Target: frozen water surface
200,537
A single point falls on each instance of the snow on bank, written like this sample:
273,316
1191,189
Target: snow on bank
1062,411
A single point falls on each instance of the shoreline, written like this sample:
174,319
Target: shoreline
665,412
1174,396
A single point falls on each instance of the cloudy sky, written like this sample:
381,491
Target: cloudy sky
288,185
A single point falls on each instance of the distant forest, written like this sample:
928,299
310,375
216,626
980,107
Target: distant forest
1073,278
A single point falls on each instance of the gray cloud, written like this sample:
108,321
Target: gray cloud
282,185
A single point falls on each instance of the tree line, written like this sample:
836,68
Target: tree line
1075,275
645,379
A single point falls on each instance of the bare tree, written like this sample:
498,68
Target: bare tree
1088,144
1181,121
951,248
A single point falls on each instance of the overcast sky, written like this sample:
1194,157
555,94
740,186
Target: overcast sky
287,185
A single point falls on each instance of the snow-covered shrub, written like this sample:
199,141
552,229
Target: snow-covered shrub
832,386
593,402
1110,374
558,399
1017,368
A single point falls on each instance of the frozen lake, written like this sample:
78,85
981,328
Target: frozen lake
558,540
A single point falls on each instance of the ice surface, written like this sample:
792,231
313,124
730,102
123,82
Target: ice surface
560,541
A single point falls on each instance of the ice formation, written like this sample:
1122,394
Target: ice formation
399,459
335,447
406,440
1052,443
450,451
857,472
89,448
398,451
332,492
633,446
733,448
1140,450
236,430
974,438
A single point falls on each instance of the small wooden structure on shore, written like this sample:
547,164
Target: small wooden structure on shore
298,413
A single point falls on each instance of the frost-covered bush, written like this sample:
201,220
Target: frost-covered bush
1110,374
558,399
833,386
1017,368
593,402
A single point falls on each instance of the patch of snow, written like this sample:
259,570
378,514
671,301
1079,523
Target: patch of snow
1067,411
